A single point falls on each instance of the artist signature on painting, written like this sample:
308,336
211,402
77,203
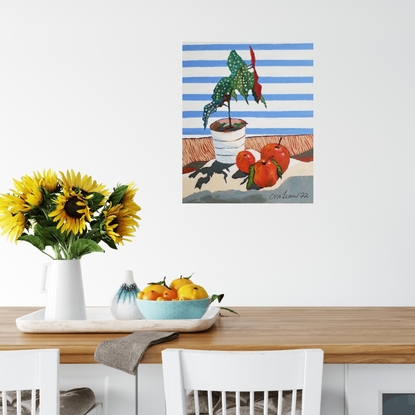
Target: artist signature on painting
286,195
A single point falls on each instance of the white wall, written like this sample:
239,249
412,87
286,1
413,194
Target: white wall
87,85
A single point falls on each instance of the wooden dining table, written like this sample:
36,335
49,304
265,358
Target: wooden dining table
346,334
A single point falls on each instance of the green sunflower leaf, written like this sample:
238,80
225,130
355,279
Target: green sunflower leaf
95,201
50,235
117,195
82,247
109,242
36,241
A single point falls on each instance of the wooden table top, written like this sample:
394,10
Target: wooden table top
346,334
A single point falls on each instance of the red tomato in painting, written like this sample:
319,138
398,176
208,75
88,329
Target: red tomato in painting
265,173
278,153
244,160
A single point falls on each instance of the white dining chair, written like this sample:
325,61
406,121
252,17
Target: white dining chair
30,378
242,382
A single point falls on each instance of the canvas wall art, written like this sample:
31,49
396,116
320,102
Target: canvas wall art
247,123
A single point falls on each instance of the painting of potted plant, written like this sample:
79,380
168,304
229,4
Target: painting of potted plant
238,145
228,134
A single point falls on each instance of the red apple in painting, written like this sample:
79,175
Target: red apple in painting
278,153
265,173
244,160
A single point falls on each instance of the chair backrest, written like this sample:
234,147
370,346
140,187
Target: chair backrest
30,371
249,382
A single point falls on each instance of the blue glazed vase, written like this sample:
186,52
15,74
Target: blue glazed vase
124,304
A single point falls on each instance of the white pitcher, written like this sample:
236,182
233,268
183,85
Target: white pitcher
62,280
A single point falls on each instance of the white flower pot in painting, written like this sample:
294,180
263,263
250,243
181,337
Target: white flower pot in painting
228,141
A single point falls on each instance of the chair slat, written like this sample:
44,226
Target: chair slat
279,408
293,401
223,396
238,402
19,402
3,399
210,404
196,398
266,402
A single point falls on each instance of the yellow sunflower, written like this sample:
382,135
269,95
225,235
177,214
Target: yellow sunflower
28,189
128,201
72,181
71,211
120,225
11,203
48,180
12,224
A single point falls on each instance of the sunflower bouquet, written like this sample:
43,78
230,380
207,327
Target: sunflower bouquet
69,214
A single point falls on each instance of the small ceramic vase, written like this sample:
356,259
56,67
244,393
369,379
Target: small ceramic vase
124,304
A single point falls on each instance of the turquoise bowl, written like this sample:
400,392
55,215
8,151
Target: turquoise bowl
173,310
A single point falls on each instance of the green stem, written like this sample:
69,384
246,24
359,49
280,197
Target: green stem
56,249
50,256
68,254
229,113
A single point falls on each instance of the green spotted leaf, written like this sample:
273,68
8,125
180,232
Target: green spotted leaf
235,62
222,89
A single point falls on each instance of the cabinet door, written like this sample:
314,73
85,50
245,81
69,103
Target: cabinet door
380,389
332,395
114,388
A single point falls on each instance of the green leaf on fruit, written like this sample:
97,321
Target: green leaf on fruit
279,169
219,297
229,309
162,282
251,175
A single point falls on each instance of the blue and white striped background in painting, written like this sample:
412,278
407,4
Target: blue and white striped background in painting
285,73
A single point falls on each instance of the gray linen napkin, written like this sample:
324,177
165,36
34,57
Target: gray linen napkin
125,353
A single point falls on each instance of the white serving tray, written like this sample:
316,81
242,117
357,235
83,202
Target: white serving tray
100,320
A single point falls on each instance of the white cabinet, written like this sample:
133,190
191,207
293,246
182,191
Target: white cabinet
116,389
332,395
366,385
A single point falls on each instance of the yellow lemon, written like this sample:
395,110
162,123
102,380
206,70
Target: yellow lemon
177,283
191,292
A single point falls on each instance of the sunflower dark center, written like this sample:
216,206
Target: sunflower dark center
71,208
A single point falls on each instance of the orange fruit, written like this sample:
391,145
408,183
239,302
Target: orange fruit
150,295
140,295
177,283
154,287
169,294
192,292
